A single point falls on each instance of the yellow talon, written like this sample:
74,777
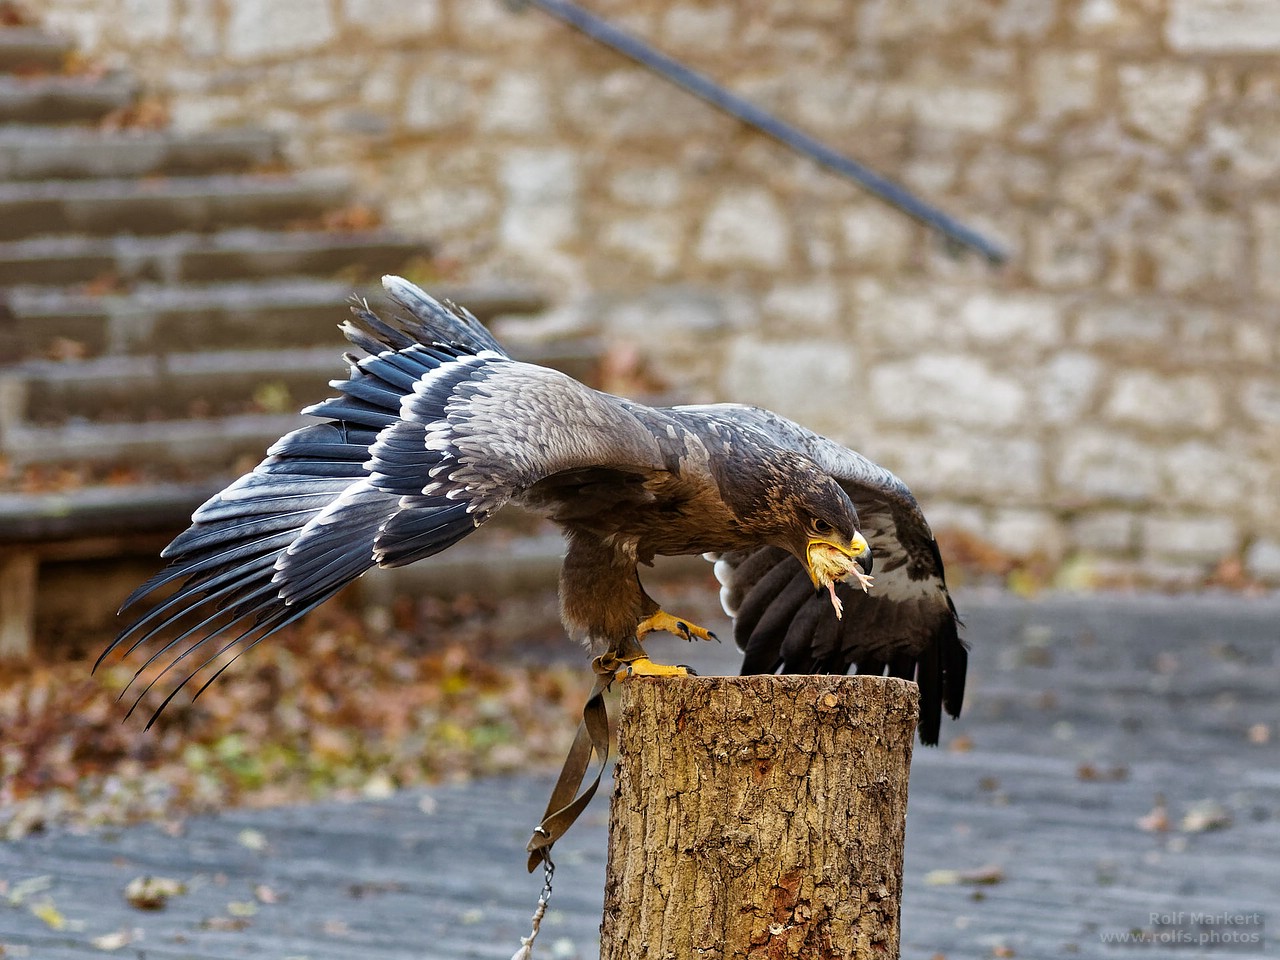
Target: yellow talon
644,667
681,628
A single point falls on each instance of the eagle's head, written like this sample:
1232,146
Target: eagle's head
812,518
834,549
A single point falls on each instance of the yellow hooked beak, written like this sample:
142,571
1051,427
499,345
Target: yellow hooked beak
830,561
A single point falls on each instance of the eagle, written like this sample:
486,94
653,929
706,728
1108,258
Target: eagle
436,428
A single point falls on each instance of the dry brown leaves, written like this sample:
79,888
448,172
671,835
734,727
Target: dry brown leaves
14,14
321,711
146,113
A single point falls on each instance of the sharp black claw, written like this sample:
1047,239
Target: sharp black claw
692,672
713,636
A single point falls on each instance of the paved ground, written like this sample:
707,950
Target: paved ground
1081,714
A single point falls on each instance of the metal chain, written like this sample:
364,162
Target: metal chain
526,943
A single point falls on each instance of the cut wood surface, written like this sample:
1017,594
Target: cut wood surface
758,817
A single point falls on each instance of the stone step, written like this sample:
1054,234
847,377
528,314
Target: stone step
201,258
166,205
30,49
64,99
71,153
197,445
276,314
100,511
222,383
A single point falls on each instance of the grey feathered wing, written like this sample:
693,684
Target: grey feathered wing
434,429
905,626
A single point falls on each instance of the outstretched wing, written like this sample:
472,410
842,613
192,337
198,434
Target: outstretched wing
434,429
905,626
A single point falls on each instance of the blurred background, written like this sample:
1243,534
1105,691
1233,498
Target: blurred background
189,190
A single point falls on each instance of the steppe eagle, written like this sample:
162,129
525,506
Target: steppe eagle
436,428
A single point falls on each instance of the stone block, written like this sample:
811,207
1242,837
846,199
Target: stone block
1262,559
1116,20
633,104
1246,143
393,20
198,28
1266,245
812,381
832,102
1027,533
1198,249
971,464
812,307
1175,403
679,311
949,516
1104,532
517,103
483,23
1260,399
147,21
1065,82
654,240
1065,387
1199,471
1011,318
647,186
902,322
541,188
1162,100
1134,322
1063,253
946,388
698,27
1032,19
876,236
439,97
1253,342
1214,26
964,108
1192,537
1095,464
745,227
262,29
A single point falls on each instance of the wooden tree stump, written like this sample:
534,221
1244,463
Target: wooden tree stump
758,817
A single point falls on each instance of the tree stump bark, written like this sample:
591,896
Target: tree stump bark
758,817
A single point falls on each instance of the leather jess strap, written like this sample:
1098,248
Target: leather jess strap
592,738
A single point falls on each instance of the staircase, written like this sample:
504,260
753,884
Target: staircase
168,301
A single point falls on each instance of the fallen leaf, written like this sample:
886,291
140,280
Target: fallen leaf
227,924
1157,820
1206,815
252,839
50,914
242,908
982,876
25,889
1259,734
114,941
153,893
1087,771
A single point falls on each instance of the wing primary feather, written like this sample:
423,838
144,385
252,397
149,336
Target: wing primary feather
764,645
757,599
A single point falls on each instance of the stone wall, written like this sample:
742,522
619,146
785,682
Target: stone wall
1109,401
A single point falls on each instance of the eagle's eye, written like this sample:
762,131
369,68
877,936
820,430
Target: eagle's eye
822,528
